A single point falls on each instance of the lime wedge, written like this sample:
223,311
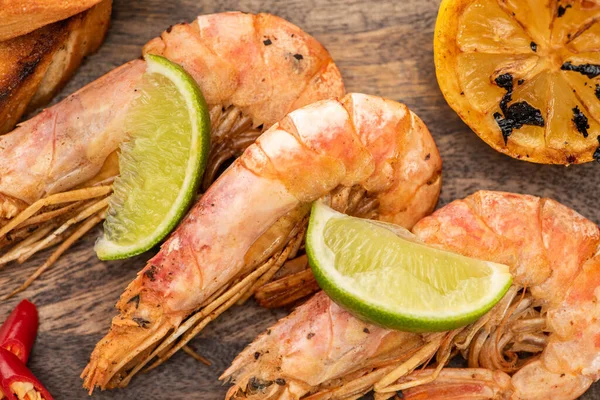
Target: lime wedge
160,165
383,274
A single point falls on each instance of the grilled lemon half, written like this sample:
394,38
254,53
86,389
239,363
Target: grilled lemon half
524,75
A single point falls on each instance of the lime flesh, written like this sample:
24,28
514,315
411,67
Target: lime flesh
383,274
161,164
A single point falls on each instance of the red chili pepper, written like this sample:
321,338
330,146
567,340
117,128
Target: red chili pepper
12,370
18,332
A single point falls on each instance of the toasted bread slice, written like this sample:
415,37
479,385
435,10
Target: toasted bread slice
35,66
18,17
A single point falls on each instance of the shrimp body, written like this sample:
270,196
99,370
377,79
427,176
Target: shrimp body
551,312
253,218
57,167
67,144
316,345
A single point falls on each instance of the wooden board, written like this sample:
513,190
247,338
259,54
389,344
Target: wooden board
382,48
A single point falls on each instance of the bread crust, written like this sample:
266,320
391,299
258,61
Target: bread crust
35,66
19,17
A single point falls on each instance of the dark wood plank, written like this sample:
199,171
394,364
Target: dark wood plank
382,48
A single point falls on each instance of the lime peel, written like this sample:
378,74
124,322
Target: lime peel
382,273
143,209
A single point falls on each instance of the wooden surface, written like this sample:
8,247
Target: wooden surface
382,48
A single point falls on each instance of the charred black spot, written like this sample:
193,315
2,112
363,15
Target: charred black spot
256,355
571,159
597,91
26,68
141,322
135,300
256,384
170,28
267,42
562,10
298,57
280,381
516,115
151,273
428,156
589,70
400,394
366,330
505,126
580,121
505,81
310,336
533,46
520,82
525,114
597,152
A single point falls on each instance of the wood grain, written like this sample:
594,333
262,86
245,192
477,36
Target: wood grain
382,48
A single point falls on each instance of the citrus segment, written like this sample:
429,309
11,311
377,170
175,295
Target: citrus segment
537,27
477,73
587,93
589,40
568,132
572,18
382,273
482,23
531,92
160,164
